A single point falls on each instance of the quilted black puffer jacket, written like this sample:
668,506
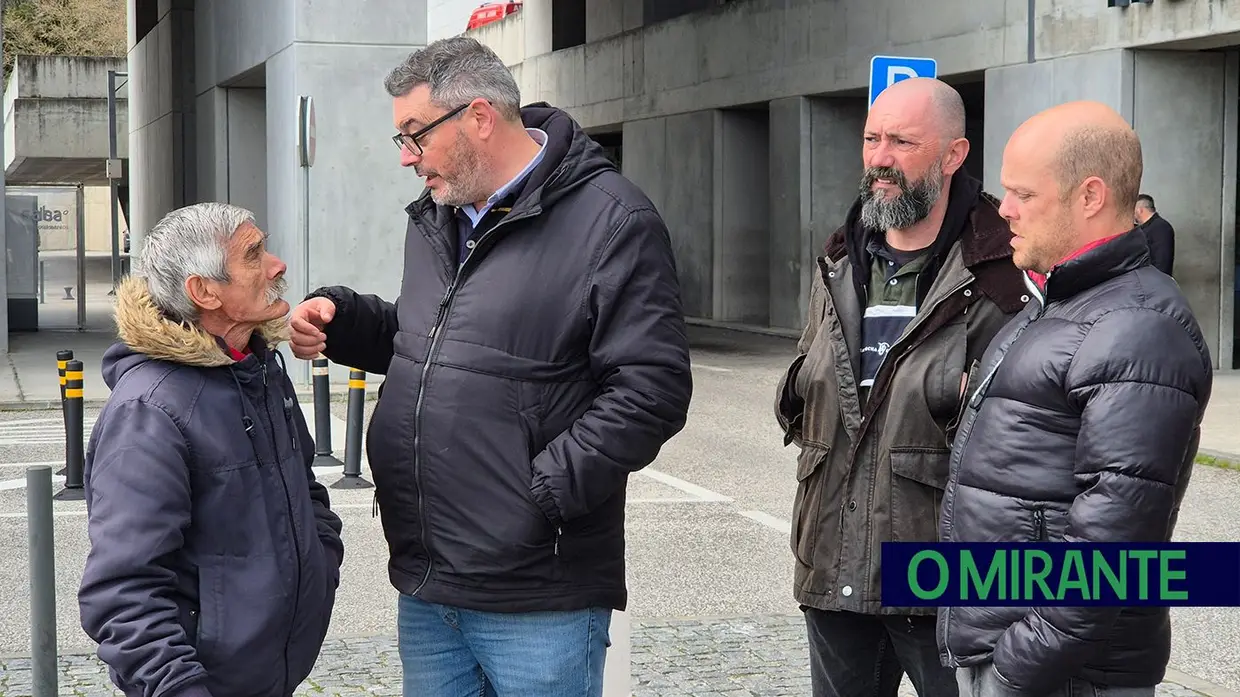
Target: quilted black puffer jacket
1082,425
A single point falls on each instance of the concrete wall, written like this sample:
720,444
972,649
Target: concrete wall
48,97
1178,104
239,83
162,163
446,18
747,52
742,245
673,160
815,169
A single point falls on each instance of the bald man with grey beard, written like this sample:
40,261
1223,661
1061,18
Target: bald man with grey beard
905,297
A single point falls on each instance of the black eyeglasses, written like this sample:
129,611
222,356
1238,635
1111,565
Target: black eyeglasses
410,140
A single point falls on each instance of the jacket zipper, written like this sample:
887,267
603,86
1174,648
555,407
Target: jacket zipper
1039,523
441,314
975,401
292,525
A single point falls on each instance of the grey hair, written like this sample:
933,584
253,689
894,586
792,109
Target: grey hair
458,70
189,241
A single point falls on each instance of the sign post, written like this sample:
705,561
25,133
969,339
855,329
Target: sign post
886,71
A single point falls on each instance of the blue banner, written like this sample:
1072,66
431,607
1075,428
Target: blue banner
1193,574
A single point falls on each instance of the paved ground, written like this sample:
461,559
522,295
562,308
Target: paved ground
709,565
732,657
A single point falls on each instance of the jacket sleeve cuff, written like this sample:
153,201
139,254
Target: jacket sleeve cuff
194,689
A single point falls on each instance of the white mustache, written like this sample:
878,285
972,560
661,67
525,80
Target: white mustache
277,290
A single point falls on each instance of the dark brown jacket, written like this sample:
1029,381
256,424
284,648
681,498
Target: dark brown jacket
876,475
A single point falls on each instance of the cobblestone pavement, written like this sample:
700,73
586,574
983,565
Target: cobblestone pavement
732,657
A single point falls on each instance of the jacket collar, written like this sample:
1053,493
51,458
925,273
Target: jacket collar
146,330
1097,264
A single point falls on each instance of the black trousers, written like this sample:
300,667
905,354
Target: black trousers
852,655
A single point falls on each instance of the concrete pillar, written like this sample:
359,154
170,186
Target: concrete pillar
1178,111
1016,92
537,20
212,112
740,269
791,257
162,129
672,160
1178,103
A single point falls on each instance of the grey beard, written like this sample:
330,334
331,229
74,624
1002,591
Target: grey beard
909,207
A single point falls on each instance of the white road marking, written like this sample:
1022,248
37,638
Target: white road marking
691,489
768,520
713,368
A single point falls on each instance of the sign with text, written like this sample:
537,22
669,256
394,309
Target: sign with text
1072,574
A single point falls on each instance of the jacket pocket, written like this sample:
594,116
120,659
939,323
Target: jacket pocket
243,616
918,478
807,505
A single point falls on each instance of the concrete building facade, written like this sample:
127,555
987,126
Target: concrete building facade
742,119
215,89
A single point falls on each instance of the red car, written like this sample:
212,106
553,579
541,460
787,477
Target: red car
492,12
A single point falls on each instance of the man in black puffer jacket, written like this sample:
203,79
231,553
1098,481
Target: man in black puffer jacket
1085,420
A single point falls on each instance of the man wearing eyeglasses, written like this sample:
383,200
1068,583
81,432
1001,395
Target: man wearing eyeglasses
536,357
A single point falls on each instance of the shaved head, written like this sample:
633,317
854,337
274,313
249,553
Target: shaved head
1073,174
938,102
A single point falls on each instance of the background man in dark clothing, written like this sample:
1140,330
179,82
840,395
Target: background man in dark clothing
1158,234
910,291
536,358
214,557
1087,422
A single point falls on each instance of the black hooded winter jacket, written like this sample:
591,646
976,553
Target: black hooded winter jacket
1084,429
523,389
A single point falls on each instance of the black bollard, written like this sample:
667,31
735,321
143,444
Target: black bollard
352,478
75,460
62,359
322,415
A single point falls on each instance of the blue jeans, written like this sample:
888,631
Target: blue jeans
452,652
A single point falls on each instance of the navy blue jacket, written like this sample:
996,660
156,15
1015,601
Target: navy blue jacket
523,386
214,557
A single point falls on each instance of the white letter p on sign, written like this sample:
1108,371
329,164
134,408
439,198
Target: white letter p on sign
895,73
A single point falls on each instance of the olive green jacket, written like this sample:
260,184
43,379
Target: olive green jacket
872,474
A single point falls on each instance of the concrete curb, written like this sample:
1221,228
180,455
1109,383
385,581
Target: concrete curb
1231,458
1195,683
747,328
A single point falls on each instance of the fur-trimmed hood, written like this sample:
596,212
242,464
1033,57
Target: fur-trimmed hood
144,329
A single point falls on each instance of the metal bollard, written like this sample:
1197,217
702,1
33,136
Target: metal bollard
62,359
41,540
322,415
352,478
75,460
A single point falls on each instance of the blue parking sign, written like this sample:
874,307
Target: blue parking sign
886,71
